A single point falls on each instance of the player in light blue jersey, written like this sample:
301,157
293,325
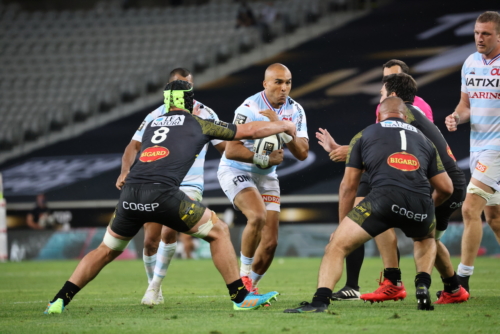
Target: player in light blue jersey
256,191
160,241
480,104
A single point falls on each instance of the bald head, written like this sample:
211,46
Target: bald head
392,106
277,84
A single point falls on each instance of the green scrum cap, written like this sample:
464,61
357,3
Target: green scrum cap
179,94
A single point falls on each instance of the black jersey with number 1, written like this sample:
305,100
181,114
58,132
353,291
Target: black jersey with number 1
170,145
395,153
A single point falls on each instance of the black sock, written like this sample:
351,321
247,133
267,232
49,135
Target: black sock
353,263
451,283
399,255
237,291
68,291
423,278
321,297
393,275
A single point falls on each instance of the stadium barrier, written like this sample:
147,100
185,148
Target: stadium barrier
297,240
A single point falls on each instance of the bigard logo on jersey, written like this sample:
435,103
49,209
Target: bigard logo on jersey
154,153
403,161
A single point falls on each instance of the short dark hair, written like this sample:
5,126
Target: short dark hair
402,84
397,62
179,71
490,16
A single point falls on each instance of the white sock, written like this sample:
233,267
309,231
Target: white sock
464,270
165,254
246,265
149,265
255,278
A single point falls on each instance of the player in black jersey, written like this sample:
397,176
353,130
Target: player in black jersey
402,164
151,194
405,87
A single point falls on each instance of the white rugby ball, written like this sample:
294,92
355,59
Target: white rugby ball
267,145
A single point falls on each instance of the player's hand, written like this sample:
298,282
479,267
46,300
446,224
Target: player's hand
273,117
196,110
121,180
291,129
339,154
451,122
276,157
326,140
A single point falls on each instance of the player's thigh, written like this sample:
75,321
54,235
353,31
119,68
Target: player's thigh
348,236
233,181
250,202
269,188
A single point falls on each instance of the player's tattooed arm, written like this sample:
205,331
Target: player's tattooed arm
128,159
460,115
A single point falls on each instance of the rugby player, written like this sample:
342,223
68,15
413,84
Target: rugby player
160,241
480,104
253,190
151,194
403,165
386,240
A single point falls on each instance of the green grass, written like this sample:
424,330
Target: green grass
197,301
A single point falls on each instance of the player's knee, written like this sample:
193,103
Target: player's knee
151,246
169,236
257,220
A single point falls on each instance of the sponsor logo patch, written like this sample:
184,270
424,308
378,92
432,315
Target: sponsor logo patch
240,119
480,167
398,124
142,126
403,161
450,153
176,120
271,199
221,123
154,153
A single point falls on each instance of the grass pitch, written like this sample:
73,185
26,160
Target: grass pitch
197,301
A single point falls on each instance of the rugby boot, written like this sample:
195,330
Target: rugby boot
160,299
253,301
306,307
451,298
423,298
346,293
56,307
386,291
151,297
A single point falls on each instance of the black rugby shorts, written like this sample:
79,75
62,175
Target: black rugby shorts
391,206
143,203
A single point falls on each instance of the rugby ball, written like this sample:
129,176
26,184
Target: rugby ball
266,145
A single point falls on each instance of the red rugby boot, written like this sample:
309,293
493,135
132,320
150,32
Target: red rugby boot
450,298
386,291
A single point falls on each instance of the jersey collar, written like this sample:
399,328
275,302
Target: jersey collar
492,60
266,101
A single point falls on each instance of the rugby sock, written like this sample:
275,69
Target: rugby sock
255,277
246,265
464,270
353,263
322,297
163,258
149,265
237,291
393,275
423,278
68,291
451,283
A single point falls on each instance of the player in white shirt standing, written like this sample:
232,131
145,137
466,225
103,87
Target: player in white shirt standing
480,104
253,190
160,241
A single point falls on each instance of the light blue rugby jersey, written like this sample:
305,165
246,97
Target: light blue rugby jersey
249,112
481,82
194,177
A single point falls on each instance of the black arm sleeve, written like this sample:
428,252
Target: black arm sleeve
216,129
354,158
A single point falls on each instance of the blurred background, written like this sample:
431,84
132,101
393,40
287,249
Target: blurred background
78,77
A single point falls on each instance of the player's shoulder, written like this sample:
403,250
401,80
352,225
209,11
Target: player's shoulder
295,105
157,112
254,102
473,58
205,111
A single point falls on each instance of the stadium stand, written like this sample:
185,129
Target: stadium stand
64,67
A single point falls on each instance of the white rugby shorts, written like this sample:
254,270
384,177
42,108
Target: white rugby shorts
233,180
485,167
192,192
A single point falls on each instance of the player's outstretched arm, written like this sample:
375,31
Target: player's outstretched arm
326,140
260,129
443,188
128,159
460,115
